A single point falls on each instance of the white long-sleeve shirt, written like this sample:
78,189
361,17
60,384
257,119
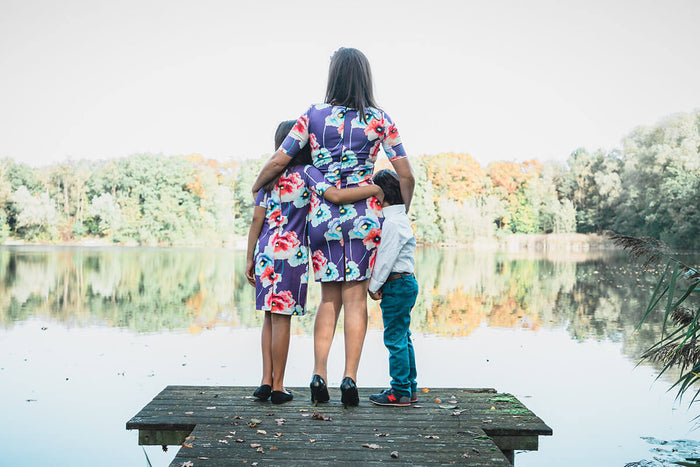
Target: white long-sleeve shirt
396,250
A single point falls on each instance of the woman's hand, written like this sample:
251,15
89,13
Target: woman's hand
250,272
379,194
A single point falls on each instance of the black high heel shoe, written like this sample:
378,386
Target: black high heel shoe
319,390
280,397
263,392
348,390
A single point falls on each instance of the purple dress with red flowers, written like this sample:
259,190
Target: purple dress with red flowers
282,250
344,147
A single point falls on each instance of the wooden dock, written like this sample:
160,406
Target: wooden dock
224,425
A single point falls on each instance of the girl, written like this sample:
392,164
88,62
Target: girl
278,255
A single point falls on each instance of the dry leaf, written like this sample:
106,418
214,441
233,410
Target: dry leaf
448,407
254,445
431,437
426,390
487,421
190,437
278,434
312,441
211,408
320,416
187,464
232,432
437,401
184,445
303,410
493,408
189,413
229,436
223,441
371,446
262,432
239,440
260,449
395,454
273,448
453,401
202,458
280,421
381,434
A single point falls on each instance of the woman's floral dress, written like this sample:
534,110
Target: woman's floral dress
344,147
282,251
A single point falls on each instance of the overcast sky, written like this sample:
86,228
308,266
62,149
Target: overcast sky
501,80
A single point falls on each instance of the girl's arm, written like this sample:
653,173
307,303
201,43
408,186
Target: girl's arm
350,195
253,235
273,167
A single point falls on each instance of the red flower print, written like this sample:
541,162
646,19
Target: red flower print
315,202
269,276
392,136
282,302
374,151
284,244
374,129
341,128
290,187
372,260
318,261
276,219
373,238
314,142
374,204
300,130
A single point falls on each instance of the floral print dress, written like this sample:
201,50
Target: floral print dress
282,251
344,147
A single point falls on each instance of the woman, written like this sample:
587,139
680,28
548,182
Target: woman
345,133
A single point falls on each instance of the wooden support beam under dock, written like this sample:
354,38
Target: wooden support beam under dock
224,425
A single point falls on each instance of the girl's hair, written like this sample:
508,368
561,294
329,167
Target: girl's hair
388,181
350,81
302,158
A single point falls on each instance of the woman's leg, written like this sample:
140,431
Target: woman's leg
354,295
324,325
266,344
279,349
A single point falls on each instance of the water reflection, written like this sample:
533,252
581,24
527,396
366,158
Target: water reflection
594,294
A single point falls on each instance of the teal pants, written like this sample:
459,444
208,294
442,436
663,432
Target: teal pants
398,299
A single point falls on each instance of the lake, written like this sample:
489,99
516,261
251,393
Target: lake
89,336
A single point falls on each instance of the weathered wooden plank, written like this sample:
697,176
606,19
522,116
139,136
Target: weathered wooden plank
447,426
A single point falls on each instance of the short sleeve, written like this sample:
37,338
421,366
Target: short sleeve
298,136
261,199
391,141
315,181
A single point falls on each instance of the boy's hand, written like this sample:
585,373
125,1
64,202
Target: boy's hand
376,295
250,272
379,195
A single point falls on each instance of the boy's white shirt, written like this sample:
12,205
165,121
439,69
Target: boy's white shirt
396,250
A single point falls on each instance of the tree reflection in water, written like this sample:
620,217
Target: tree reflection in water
596,295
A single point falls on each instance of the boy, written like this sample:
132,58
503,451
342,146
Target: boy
393,282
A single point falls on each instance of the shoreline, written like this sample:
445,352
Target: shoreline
513,243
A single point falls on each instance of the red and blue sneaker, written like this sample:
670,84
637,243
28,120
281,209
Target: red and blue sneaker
389,397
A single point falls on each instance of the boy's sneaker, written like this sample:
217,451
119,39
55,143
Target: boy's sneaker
389,397
414,397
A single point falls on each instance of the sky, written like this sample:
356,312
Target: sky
501,80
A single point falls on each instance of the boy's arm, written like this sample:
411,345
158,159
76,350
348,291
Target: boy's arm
387,252
350,195
253,235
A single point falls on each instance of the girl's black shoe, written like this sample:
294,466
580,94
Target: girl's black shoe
319,390
280,397
348,390
263,392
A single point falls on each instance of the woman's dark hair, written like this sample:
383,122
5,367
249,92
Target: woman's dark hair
302,158
350,81
388,181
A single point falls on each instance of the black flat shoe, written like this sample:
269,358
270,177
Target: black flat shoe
319,390
280,397
348,389
263,392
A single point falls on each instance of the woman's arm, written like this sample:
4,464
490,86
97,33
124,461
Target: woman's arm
253,235
350,195
406,180
273,167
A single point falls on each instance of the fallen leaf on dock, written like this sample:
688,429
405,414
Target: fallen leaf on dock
431,437
303,410
187,464
278,434
280,421
453,401
185,445
371,446
395,454
254,422
223,441
261,450
239,440
426,390
381,434
211,408
437,401
262,432
312,441
448,407
487,421
319,416
202,458
273,448
190,437
189,413
493,408
254,445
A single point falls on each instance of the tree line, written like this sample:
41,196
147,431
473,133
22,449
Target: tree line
647,187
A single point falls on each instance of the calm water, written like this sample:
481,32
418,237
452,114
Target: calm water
89,336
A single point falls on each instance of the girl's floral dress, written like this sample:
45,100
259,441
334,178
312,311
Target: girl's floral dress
344,147
282,251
